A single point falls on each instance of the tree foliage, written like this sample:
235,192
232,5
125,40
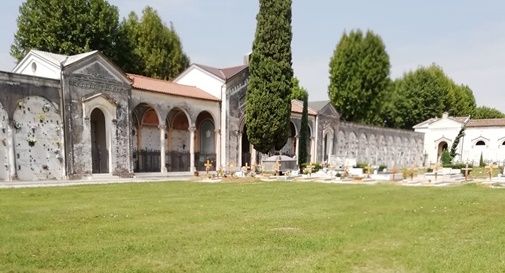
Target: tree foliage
155,50
455,144
359,76
67,27
299,93
425,93
483,112
268,97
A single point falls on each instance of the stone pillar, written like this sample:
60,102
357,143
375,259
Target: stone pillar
254,155
239,157
218,148
297,143
312,149
11,155
192,130
163,144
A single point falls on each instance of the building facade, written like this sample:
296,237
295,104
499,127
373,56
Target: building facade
69,117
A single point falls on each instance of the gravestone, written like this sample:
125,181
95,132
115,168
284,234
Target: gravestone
38,140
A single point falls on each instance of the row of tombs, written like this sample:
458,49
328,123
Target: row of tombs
91,118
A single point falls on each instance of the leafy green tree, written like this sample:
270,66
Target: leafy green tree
483,112
154,49
446,159
67,27
268,96
418,96
462,101
359,76
299,93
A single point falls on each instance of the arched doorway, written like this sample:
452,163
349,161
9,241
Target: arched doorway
442,146
178,141
99,149
289,148
146,139
206,141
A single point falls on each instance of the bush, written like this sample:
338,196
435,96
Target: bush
481,161
361,165
446,159
316,168
382,167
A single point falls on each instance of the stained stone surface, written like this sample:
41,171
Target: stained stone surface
4,142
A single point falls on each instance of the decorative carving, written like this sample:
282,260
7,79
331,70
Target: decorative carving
96,85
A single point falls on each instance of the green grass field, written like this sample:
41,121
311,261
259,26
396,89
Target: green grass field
252,227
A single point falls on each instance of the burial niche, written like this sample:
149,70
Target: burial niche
99,149
146,139
178,141
206,146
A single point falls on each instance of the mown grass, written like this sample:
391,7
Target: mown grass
252,227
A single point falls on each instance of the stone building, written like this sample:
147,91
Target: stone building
69,117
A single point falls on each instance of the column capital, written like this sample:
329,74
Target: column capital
192,129
162,126
217,131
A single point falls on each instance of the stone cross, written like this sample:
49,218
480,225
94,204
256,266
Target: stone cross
246,168
490,169
435,168
208,166
466,169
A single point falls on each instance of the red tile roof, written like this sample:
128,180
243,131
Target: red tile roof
496,122
297,107
167,87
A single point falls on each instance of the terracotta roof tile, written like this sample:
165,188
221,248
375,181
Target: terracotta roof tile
496,122
297,107
167,87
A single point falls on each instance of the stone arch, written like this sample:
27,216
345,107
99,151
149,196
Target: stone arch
178,140
353,145
328,134
372,149
5,145
146,124
38,140
205,140
341,144
290,148
362,148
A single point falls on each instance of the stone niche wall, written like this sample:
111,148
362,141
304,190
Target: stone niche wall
150,138
38,142
4,145
376,145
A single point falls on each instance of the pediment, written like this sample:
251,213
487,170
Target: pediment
97,66
329,110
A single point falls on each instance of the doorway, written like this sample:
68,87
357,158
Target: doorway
99,152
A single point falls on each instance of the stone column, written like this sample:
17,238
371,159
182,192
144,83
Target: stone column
218,148
11,155
192,130
312,150
253,156
297,143
163,144
239,157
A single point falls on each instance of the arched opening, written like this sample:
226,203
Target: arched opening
146,139
206,141
178,141
99,149
246,148
289,148
325,148
442,146
480,143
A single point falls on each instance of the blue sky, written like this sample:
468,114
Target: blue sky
466,38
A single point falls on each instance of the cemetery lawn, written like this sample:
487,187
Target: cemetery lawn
252,227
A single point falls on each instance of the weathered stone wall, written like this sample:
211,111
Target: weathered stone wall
377,145
38,138
88,86
5,145
235,98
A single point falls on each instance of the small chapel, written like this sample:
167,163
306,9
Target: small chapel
80,116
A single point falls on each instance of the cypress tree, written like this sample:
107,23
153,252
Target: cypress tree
299,93
268,96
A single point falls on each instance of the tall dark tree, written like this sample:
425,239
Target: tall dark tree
67,27
299,93
359,76
268,97
154,49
